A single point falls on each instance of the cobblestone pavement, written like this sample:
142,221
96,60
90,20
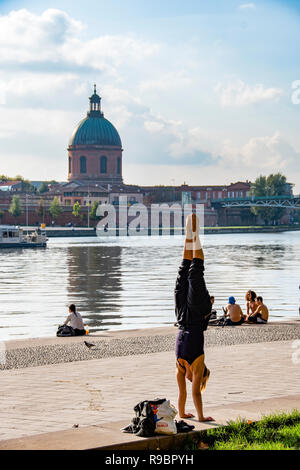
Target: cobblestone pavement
49,398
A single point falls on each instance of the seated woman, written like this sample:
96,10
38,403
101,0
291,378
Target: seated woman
193,307
234,315
251,302
261,314
213,315
75,320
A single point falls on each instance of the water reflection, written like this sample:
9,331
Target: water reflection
129,283
94,283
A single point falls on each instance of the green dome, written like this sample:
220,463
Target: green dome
95,130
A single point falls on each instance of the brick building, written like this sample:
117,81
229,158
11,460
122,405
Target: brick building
95,148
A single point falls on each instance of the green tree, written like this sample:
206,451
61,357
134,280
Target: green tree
44,188
55,208
76,209
1,214
40,210
16,207
296,216
93,212
27,186
272,185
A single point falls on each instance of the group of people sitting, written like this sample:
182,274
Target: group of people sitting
257,311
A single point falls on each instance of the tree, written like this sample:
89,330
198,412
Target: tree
296,216
27,186
93,212
272,185
76,209
16,207
40,210
55,208
44,188
1,213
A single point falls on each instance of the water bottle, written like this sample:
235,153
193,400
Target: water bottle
87,330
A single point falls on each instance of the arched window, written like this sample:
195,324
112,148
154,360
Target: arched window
70,165
103,165
119,166
82,164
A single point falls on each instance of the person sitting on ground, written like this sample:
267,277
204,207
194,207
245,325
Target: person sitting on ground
213,315
251,302
234,315
193,307
75,320
261,314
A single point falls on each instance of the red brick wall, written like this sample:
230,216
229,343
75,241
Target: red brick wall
93,156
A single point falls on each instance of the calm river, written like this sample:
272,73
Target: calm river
128,283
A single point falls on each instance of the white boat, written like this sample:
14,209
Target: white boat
13,237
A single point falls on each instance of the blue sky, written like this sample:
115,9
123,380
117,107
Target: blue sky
200,91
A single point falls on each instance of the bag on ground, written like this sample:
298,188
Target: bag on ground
65,330
164,416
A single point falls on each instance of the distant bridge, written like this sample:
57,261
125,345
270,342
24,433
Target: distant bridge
288,202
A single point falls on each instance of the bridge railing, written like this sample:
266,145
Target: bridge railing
256,198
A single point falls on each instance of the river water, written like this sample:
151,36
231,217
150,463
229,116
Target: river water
128,283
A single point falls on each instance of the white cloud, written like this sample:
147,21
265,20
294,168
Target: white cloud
35,122
267,153
25,36
191,141
153,126
247,6
239,94
54,36
112,49
36,84
169,81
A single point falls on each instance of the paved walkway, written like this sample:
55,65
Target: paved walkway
43,399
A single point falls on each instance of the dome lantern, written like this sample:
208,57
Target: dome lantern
95,105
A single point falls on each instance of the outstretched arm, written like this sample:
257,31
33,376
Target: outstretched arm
67,320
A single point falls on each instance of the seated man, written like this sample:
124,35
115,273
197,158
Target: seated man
261,314
234,315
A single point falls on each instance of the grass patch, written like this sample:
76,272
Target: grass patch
273,432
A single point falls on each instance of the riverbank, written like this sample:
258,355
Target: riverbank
84,404
67,232
45,351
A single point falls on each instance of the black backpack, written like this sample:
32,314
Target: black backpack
65,330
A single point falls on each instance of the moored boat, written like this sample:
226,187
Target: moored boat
13,237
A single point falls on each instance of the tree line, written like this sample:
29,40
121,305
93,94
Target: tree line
55,209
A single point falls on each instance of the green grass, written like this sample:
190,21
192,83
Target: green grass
274,432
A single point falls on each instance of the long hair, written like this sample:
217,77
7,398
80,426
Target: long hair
72,307
252,295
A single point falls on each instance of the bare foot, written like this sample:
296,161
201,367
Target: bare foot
208,418
187,415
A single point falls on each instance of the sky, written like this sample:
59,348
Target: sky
201,92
